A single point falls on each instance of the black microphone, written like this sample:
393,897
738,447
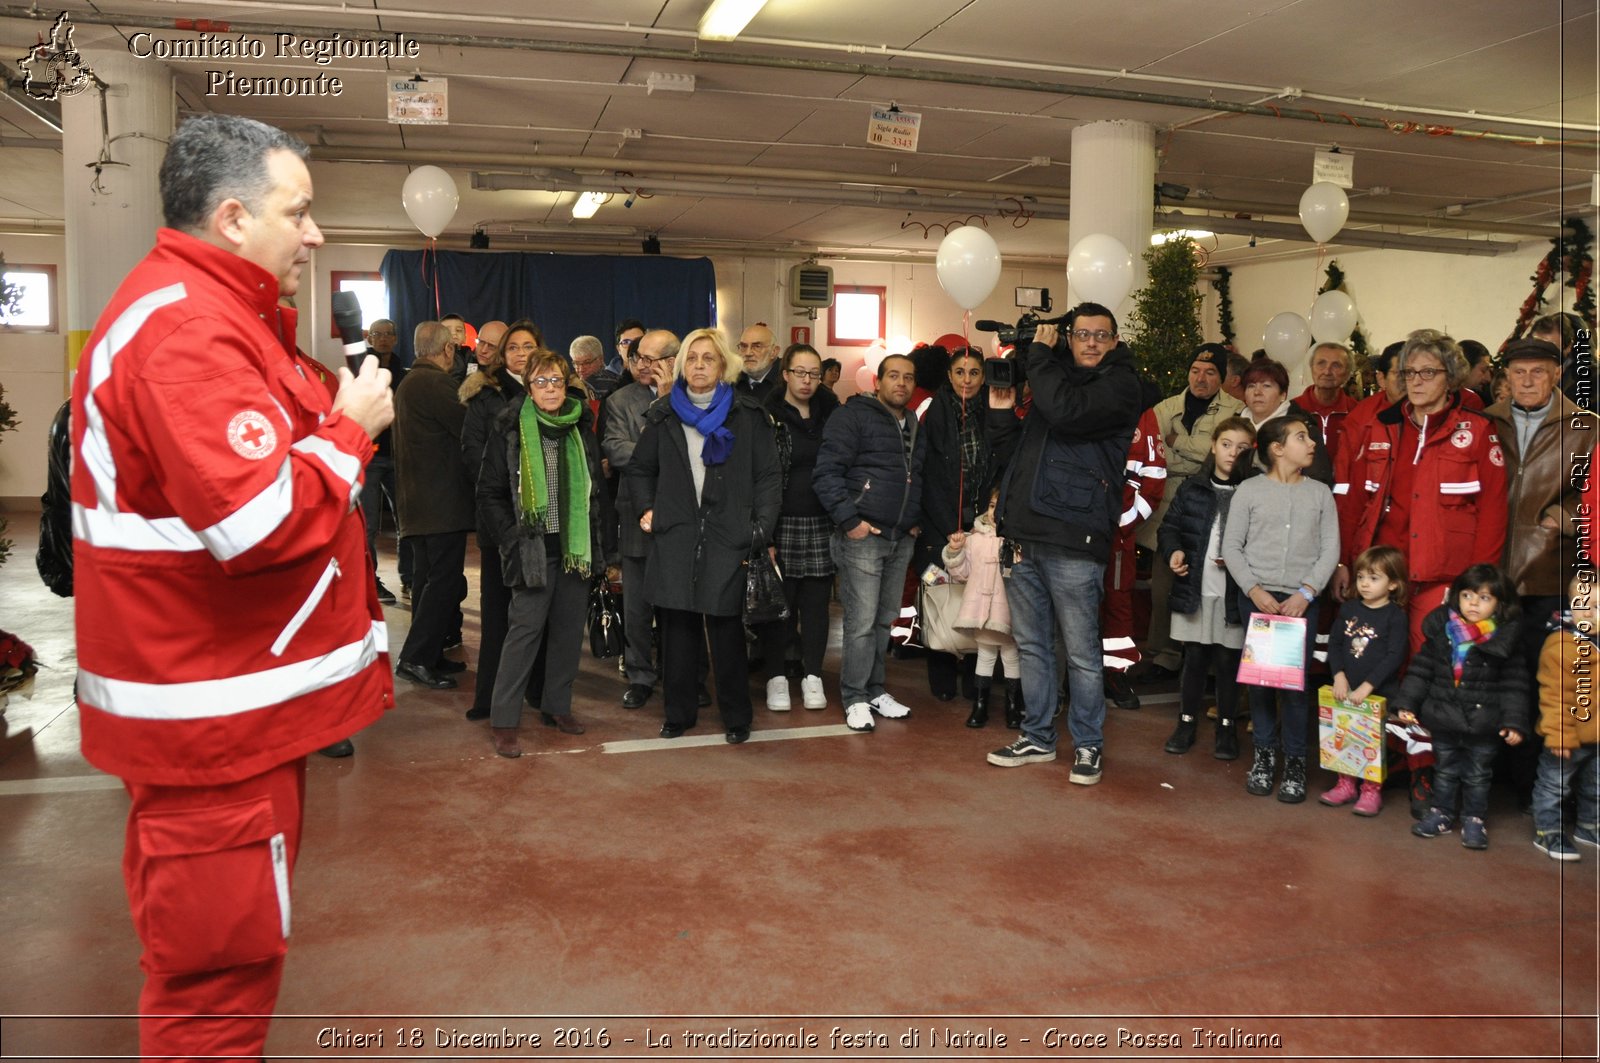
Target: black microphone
347,318
991,326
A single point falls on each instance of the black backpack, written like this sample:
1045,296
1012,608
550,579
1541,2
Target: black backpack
55,523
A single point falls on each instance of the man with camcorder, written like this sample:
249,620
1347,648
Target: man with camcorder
1059,502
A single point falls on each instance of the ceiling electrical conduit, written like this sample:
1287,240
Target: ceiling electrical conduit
108,18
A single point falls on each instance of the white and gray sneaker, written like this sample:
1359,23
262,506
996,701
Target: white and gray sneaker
886,706
1023,751
858,717
778,694
811,693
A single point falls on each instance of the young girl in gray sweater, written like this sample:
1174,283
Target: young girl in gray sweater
1280,544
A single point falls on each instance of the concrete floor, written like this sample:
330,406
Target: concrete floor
883,884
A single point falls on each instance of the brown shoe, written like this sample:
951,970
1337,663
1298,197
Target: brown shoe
567,724
505,742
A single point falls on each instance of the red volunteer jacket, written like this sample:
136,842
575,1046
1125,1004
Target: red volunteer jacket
1331,416
227,619
1146,477
1458,491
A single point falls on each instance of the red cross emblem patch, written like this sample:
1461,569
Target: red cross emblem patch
251,435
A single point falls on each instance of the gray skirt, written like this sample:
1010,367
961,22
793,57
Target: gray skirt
1208,625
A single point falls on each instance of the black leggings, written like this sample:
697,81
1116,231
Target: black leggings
1197,657
808,607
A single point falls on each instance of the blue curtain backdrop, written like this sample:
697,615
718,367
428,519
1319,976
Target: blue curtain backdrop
566,295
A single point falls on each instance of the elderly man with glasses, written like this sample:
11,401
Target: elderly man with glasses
760,353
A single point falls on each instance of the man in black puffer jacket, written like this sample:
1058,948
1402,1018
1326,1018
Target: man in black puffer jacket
1060,498
869,478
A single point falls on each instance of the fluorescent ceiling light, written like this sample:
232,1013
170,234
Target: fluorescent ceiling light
1157,239
726,19
587,204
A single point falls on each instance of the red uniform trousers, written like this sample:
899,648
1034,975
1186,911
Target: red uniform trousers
208,870
1119,652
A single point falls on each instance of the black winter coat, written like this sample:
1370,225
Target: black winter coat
798,439
699,550
499,493
1494,682
863,473
946,497
485,398
1187,527
54,558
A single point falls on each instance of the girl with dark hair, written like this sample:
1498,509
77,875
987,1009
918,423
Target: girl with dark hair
1280,545
799,410
1468,685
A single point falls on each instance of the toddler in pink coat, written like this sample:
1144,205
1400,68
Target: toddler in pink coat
974,559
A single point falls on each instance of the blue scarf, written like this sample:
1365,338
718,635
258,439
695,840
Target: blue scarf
709,421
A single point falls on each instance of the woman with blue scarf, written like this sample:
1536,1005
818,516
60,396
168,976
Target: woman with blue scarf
541,496
707,479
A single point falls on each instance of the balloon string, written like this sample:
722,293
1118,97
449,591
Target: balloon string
438,308
961,466
1322,251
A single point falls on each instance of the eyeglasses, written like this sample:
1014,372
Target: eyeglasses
1083,335
547,382
1424,375
380,334
754,346
628,341
805,374
658,361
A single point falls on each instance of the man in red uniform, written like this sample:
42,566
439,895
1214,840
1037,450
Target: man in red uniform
228,622
1146,480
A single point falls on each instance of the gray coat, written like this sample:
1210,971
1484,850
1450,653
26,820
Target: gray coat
698,550
624,420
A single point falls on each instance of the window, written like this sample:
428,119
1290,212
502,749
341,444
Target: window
36,310
369,289
858,315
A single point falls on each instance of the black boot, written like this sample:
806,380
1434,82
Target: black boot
1182,739
1262,769
1119,690
980,702
1293,790
1014,706
1227,746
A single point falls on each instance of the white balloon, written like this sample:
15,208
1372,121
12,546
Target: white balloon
1100,270
430,199
1287,338
968,265
1323,210
1333,317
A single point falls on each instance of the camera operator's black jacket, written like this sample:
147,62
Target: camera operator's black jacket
1066,458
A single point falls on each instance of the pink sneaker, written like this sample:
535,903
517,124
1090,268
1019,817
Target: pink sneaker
1343,792
1370,803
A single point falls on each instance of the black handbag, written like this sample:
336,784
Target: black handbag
605,619
763,591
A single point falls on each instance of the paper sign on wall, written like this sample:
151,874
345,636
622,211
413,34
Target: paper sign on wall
422,102
1334,167
894,129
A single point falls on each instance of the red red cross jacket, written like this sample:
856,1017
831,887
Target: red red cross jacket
227,618
1458,489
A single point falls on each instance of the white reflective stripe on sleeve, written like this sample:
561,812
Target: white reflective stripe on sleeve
1341,489
129,531
346,467
1117,664
252,522
96,453
1373,485
1155,472
208,698
1462,487
1114,644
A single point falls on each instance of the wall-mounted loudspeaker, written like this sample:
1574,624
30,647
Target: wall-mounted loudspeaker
810,285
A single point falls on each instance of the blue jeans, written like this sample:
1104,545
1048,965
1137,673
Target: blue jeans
1463,766
872,578
1558,777
1047,587
1272,709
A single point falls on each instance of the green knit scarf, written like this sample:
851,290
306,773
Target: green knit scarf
575,484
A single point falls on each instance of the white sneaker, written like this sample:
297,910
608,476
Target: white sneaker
811,693
858,717
886,706
778,694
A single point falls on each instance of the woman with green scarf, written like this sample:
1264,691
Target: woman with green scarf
541,494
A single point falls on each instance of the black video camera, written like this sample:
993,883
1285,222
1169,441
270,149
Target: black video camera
1008,372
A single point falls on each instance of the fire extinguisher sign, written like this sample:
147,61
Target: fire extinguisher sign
800,334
